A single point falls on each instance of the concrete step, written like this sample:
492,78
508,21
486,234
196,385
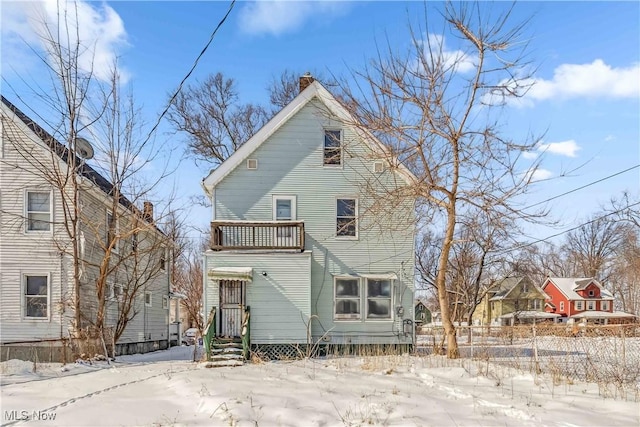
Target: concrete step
223,363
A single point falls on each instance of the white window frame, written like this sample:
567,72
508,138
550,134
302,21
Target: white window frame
27,229
24,296
604,305
292,199
351,316
525,288
324,148
165,302
356,219
561,306
592,293
368,298
537,305
150,302
579,305
591,305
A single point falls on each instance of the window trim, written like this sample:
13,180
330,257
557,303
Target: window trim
23,298
351,317
356,218
591,305
561,305
579,305
165,302
150,303
294,209
27,230
367,298
324,148
602,305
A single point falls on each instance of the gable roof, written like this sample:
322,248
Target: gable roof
508,284
569,285
314,91
62,151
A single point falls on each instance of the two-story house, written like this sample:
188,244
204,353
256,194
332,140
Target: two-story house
48,293
297,238
582,298
512,300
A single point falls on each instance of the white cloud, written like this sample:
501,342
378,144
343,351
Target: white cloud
567,148
529,155
99,28
457,59
282,16
539,174
592,80
609,138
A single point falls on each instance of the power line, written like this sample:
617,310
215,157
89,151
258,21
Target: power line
193,67
514,248
583,186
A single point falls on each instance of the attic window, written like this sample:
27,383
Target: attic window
332,147
252,164
378,167
591,292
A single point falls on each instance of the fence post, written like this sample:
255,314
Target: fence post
535,348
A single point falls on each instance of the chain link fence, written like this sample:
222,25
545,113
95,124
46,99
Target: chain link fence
606,355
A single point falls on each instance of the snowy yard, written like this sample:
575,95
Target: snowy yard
166,388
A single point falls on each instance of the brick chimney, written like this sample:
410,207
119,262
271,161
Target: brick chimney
147,212
305,81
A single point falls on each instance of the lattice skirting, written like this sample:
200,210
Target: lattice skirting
299,351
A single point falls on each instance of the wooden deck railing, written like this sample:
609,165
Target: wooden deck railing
265,235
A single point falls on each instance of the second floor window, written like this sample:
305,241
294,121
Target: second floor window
38,211
604,306
579,305
346,220
332,147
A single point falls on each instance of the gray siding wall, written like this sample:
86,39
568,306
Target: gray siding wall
290,163
280,302
22,252
39,252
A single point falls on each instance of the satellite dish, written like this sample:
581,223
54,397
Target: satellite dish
84,148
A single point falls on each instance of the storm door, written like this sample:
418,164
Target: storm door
232,302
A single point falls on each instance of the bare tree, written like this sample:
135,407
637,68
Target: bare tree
432,110
213,118
591,249
115,246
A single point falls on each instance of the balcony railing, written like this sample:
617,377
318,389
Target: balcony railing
262,235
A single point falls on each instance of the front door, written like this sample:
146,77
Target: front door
232,302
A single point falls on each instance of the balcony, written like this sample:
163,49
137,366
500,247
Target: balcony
260,235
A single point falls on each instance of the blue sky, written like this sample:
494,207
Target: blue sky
586,99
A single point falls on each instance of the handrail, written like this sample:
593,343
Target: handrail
257,235
210,332
246,333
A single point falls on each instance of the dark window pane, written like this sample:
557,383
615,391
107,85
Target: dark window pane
346,227
346,207
331,139
379,308
347,306
36,285
378,288
347,288
36,307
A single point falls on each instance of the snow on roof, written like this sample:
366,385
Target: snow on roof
569,285
602,315
530,315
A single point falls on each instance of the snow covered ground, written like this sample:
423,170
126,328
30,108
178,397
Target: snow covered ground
167,389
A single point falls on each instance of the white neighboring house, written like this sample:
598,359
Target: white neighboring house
36,273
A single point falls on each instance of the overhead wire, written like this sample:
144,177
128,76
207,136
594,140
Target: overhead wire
193,67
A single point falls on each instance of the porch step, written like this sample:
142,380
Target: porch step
226,352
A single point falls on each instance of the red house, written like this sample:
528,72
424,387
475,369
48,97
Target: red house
582,299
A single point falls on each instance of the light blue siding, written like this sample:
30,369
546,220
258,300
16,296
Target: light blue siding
290,162
279,299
